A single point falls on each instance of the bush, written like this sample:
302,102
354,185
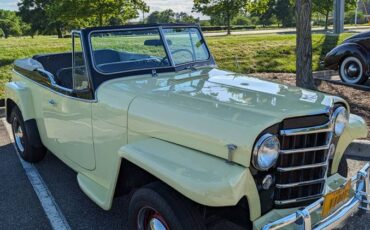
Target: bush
2,34
219,28
242,21
350,17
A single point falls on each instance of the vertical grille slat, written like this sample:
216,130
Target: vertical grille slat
292,166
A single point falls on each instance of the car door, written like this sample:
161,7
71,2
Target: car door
67,117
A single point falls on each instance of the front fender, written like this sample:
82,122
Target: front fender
336,56
356,128
22,97
203,178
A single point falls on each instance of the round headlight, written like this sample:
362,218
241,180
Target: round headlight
266,152
340,117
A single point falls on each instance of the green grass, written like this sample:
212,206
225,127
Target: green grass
241,53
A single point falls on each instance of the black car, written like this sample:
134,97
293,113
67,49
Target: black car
351,59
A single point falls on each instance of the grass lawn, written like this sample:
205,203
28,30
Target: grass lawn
240,53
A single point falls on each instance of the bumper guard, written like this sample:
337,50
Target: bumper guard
360,201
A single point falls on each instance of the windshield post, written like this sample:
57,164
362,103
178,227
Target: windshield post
166,46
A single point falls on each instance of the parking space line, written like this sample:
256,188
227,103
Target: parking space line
48,203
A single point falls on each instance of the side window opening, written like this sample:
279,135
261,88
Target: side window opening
79,71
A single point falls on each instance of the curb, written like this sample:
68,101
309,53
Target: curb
325,74
359,149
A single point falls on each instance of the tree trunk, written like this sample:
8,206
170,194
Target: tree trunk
304,45
327,20
228,18
59,31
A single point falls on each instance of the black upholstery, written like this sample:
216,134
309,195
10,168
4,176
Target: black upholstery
64,78
55,62
106,56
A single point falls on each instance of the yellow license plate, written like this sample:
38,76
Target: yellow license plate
334,198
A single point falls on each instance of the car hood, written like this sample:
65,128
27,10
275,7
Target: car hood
210,109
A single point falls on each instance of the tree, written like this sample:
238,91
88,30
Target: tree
325,7
304,44
185,18
225,9
82,13
10,23
34,12
264,10
284,11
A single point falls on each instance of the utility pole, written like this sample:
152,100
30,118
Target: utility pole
356,12
338,16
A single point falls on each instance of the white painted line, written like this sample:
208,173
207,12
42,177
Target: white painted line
51,208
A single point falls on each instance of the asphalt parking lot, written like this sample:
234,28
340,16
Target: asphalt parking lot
20,207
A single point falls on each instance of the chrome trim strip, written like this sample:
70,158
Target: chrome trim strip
294,168
53,91
328,127
300,183
360,201
312,149
300,199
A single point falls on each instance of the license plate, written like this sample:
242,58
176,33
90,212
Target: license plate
334,198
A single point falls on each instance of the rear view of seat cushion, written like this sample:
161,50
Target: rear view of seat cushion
106,56
64,78
54,62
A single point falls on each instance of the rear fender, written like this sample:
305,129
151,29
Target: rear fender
337,55
21,96
202,178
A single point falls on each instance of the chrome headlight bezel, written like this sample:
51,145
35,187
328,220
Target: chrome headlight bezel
340,120
266,152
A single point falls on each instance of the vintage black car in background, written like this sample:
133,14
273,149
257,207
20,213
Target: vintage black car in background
351,59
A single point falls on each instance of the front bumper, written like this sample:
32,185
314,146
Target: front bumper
302,217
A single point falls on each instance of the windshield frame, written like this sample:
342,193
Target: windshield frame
160,28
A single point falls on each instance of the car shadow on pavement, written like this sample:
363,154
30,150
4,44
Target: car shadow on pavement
79,211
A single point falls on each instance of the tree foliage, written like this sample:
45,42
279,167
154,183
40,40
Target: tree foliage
10,24
272,11
223,10
325,7
60,15
169,16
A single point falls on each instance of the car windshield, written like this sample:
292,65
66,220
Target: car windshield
127,50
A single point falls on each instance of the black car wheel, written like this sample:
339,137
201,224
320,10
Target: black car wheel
352,71
159,207
24,141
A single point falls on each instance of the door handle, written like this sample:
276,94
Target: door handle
52,102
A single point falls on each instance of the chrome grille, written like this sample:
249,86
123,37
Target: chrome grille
303,163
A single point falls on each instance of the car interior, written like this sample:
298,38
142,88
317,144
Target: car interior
106,61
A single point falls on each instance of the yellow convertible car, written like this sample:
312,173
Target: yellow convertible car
144,110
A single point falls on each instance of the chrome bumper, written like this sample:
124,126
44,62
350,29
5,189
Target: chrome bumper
360,201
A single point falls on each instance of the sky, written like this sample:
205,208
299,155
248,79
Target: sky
159,5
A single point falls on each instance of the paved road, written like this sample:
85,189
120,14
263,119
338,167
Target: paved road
21,209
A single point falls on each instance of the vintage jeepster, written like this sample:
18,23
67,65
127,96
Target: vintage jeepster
144,110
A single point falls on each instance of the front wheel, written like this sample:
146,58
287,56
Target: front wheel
352,70
158,207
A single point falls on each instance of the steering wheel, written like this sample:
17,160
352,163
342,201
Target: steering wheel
184,50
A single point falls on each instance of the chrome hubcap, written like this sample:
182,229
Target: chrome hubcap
156,224
149,219
353,70
18,135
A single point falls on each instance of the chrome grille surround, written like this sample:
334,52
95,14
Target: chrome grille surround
303,163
